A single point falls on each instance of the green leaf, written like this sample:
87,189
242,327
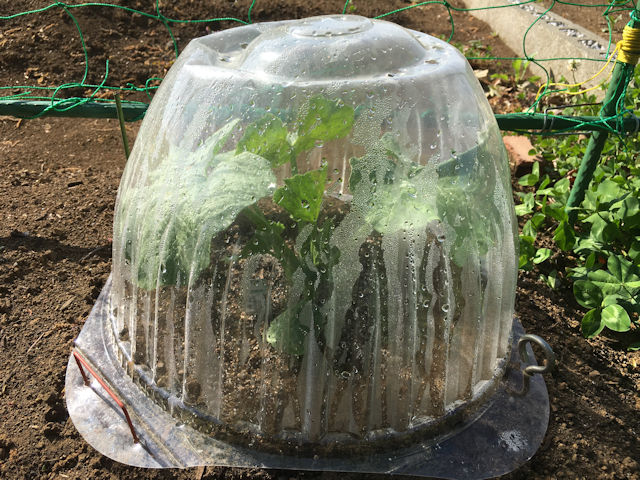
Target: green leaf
561,188
611,300
620,279
527,251
533,177
267,138
382,171
301,195
526,207
215,143
399,206
592,323
268,239
551,280
608,191
629,208
317,244
587,293
544,182
393,194
616,318
624,271
190,201
554,210
285,332
634,252
601,230
325,120
542,254
634,346
564,236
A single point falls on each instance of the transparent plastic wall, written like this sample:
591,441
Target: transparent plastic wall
314,237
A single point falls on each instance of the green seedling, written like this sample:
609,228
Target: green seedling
211,188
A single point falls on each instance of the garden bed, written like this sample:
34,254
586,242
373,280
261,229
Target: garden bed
57,193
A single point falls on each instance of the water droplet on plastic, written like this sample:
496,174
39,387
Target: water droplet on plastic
445,307
441,238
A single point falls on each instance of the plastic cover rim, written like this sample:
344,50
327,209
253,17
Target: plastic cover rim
505,435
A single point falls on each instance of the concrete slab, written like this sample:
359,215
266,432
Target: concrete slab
552,36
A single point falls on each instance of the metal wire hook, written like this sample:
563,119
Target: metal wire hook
532,367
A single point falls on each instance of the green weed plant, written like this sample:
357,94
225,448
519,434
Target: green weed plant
605,239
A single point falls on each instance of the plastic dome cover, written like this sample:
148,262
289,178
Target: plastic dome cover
314,237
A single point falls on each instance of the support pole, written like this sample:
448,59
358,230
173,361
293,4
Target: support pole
622,72
123,129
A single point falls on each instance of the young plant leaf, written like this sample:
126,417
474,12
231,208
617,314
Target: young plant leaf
178,246
268,239
267,138
531,178
527,251
542,254
551,280
301,195
398,206
532,225
325,120
285,332
527,205
616,318
608,191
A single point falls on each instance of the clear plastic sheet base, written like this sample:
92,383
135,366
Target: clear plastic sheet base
504,433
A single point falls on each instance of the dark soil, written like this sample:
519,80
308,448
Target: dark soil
57,192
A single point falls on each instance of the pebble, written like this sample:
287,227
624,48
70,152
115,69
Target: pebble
630,464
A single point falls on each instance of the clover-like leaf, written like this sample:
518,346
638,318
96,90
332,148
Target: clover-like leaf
592,323
616,318
587,293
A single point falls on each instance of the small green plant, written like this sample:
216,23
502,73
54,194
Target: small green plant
211,188
605,240
351,7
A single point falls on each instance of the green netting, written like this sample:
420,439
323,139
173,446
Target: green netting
97,99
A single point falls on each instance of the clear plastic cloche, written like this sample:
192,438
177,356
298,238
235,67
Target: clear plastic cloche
314,243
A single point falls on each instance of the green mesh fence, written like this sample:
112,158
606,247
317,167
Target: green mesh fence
86,98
